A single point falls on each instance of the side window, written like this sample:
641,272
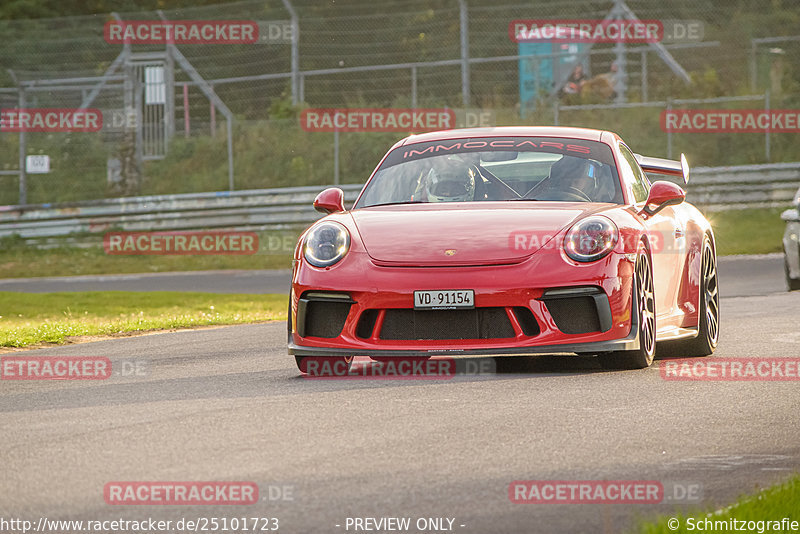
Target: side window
632,171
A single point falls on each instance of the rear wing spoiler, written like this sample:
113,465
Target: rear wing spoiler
665,166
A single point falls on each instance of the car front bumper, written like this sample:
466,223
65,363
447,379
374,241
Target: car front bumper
530,285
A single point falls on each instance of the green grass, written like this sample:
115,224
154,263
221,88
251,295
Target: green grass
28,319
751,231
18,260
772,504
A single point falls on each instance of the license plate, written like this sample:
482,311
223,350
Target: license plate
448,299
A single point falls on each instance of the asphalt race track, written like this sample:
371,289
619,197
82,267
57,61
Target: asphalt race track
229,404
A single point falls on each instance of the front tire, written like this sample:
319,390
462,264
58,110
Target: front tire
324,365
644,299
792,283
708,314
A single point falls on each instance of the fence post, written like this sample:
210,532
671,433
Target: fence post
186,119
622,73
169,79
138,104
462,6
302,96
414,86
213,111
621,86
753,65
669,131
767,151
336,156
644,76
23,184
295,51
229,121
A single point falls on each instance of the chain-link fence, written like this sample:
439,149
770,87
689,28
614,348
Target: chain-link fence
212,117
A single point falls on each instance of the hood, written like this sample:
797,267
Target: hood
463,233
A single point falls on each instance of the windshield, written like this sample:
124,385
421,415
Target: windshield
496,169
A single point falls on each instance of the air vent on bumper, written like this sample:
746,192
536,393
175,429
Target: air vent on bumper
579,310
322,314
478,323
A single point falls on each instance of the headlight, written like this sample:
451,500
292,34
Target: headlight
326,243
591,238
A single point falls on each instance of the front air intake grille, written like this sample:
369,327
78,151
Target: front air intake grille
478,323
322,316
527,321
366,323
576,315
326,319
579,310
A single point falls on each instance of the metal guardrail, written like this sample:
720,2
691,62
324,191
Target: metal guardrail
711,188
253,210
743,186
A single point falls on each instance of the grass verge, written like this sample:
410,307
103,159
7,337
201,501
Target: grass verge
29,319
18,259
770,505
750,231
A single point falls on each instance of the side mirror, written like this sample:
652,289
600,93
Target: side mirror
791,215
663,194
330,201
684,168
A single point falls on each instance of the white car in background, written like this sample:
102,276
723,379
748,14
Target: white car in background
791,244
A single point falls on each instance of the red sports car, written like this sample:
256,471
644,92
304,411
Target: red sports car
506,241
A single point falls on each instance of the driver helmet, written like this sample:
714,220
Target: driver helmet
576,173
450,181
